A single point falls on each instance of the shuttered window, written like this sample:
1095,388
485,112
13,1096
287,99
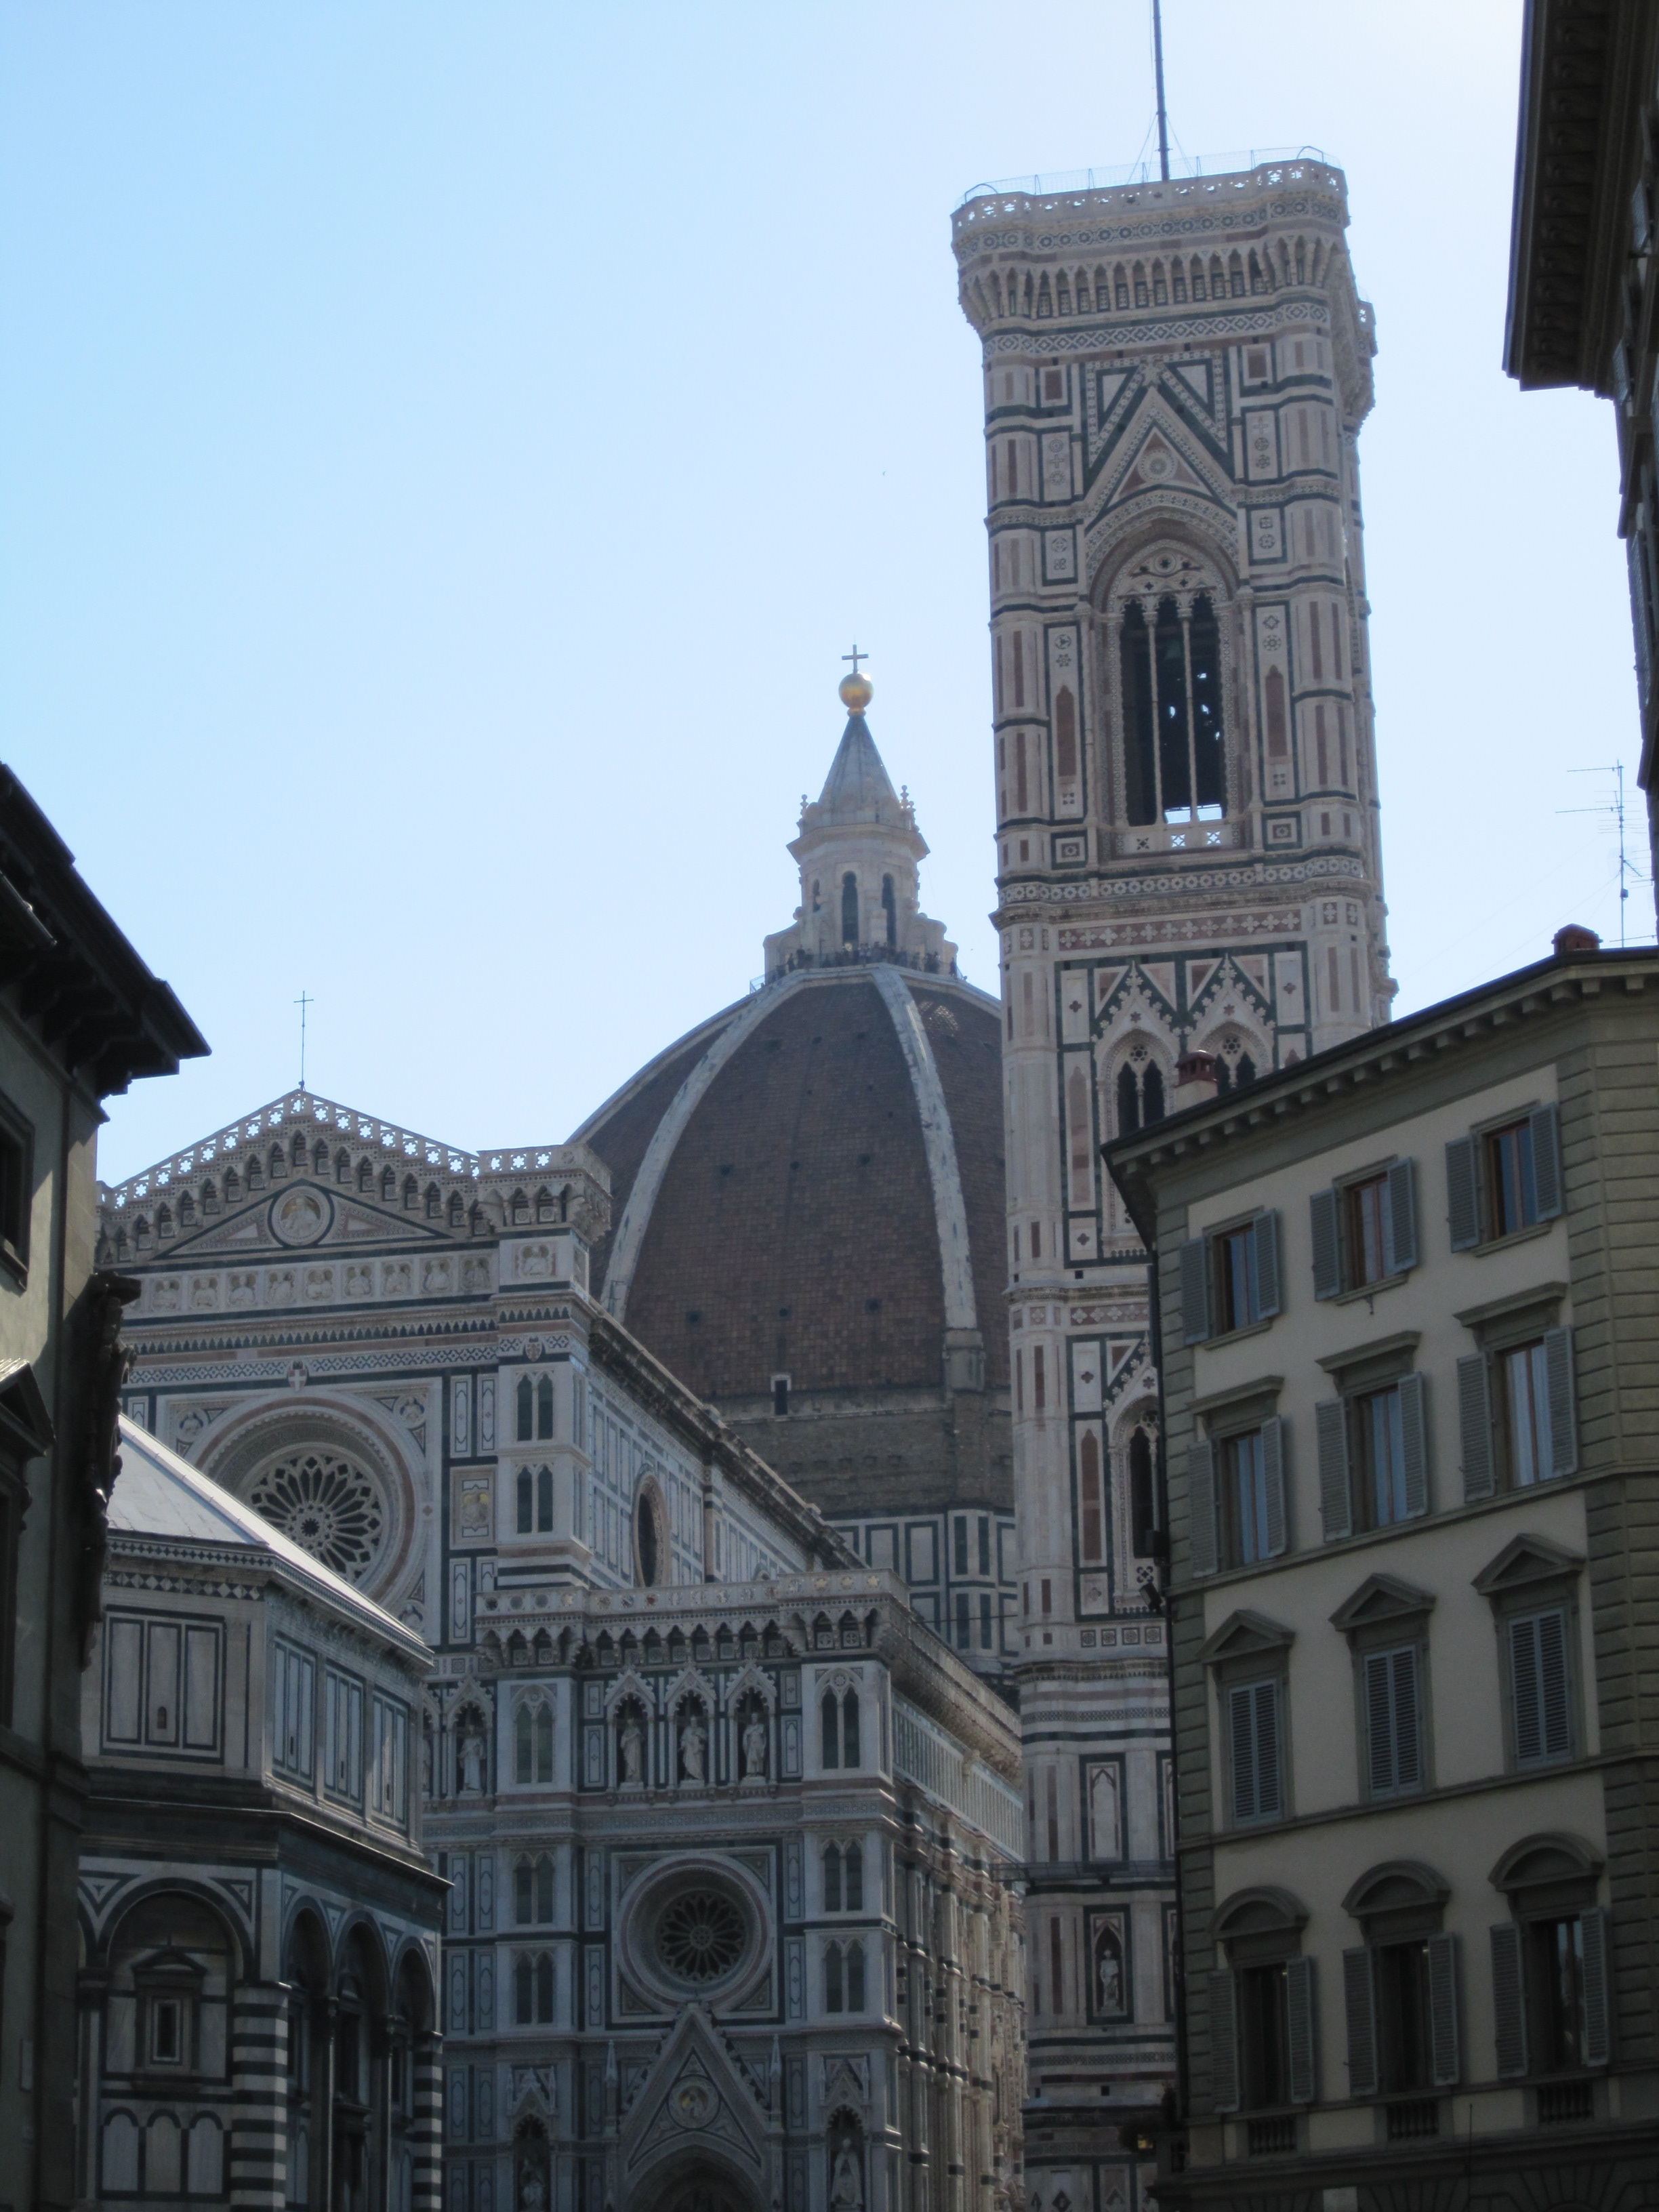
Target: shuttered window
1231,1280
1504,1180
1401,2003
1393,1701
1540,1688
1255,1728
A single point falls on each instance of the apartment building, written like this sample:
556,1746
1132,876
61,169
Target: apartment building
1409,1297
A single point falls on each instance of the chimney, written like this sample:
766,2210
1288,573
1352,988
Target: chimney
1575,937
1196,1083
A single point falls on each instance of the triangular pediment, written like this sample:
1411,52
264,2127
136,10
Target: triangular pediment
1382,1597
1246,1635
1525,1560
1157,466
695,2096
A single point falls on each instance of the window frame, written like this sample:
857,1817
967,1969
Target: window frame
1500,1328
16,1190
1346,1504
1203,1302
1471,1207
1331,1232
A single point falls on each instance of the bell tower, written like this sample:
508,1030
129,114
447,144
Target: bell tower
1188,892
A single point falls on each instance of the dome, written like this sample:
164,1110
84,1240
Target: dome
784,1204
807,1201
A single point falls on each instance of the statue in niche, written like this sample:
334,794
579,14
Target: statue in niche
472,1765
531,2195
632,1747
754,1742
1108,1971
846,2182
693,1745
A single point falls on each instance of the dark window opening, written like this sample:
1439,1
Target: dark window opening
849,909
1143,1507
890,908
545,1501
1402,2017
526,1403
1140,775
1557,1949
1264,2035
650,1562
1065,735
1140,1098
545,1409
1174,759
1235,1270
1209,751
525,1501
1364,1204
1244,1492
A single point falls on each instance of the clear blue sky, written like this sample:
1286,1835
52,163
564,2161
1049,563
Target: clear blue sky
446,449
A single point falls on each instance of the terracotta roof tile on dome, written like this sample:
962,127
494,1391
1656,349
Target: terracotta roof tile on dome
796,1217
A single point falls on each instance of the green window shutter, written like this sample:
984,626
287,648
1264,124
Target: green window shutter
1463,1193
1524,1690
1598,2025
1400,1219
1304,2051
1475,1427
1445,2059
1269,1774
1272,1471
1265,1274
1195,1290
1360,2005
1564,1418
1539,1688
1545,1123
1508,2001
1200,1507
1336,1502
1415,1440
1325,1218
1224,2044
1241,1729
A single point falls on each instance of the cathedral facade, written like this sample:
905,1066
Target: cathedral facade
728,1833
1188,884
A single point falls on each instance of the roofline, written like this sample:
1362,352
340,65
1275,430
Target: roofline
1378,1052
701,1426
83,985
624,1091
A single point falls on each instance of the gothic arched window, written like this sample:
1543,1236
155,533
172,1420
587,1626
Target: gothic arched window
849,1728
649,1549
1140,1096
890,908
1065,735
526,1403
855,1978
849,909
832,1877
545,1500
853,1867
525,1502
834,1999
544,1408
829,1718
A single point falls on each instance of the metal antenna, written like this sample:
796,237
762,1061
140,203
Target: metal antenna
1628,872
302,1002
1163,112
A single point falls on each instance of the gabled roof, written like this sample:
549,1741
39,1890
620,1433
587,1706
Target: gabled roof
858,788
159,1494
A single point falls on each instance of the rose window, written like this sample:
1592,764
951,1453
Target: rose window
701,1935
326,1505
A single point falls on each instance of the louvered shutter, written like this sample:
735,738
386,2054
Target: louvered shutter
1414,1441
1379,1726
1539,1687
1546,1126
1564,1416
1201,1506
1335,1499
1524,1689
1445,2059
1475,1425
1241,1715
1400,1218
1264,1231
1509,2000
1324,1209
1269,1791
1598,2023
1360,2005
1273,1476
1408,1717
1224,2044
1463,1193
1299,1993
1195,1290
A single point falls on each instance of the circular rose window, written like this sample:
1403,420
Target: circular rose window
327,1506
701,1935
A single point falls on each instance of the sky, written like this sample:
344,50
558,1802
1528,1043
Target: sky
444,452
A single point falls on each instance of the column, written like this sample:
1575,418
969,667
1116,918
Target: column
258,2063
